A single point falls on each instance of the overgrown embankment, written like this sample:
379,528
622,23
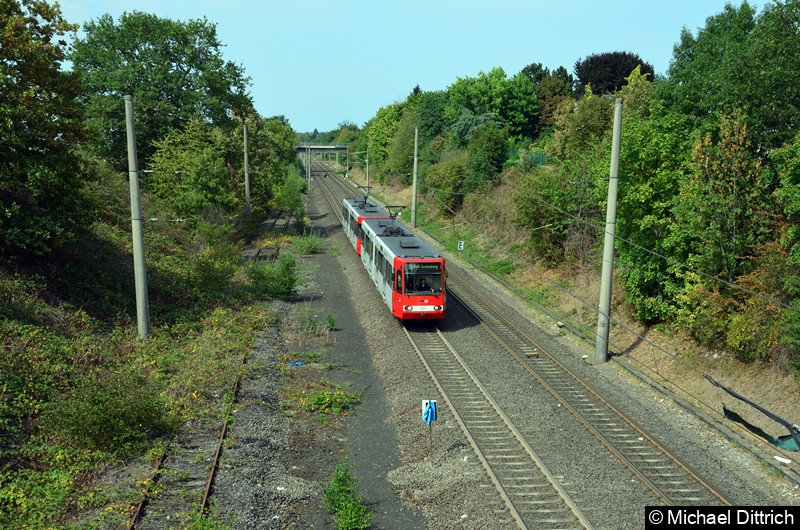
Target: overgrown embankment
79,389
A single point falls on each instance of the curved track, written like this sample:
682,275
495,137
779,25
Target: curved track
670,479
532,495
535,498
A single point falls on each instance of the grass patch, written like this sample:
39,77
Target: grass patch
320,396
345,501
503,267
309,243
303,328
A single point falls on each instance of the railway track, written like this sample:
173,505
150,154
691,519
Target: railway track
660,470
533,496
319,174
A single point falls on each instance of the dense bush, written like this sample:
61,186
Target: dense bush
277,280
112,411
446,180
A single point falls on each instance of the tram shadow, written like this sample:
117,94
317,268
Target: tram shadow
455,319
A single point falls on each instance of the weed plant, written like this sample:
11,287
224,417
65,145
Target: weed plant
274,281
302,329
116,412
320,396
345,501
309,243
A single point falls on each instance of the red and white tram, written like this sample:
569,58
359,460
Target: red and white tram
409,274
354,211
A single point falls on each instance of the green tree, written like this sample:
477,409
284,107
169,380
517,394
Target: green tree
706,72
431,114
289,194
380,132
400,156
551,89
786,162
487,152
580,128
537,202
479,95
461,131
512,100
559,206
771,98
445,180
348,133
551,92
521,107
787,165
655,158
174,70
740,61
560,203
189,170
271,144
722,215
535,72
606,72
41,124
636,94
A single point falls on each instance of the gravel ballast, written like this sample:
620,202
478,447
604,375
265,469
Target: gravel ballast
274,464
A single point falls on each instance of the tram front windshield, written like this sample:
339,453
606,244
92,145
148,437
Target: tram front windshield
423,278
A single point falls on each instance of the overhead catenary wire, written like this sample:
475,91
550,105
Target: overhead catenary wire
601,230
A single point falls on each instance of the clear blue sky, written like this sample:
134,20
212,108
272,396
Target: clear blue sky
323,62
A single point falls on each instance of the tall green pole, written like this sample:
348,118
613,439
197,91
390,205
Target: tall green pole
140,272
603,317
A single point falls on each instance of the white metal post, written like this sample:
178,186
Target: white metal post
603,317
139,270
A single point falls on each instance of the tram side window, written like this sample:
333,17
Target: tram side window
368,246
387,269
398,282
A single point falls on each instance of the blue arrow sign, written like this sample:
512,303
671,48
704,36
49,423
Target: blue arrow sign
428,410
